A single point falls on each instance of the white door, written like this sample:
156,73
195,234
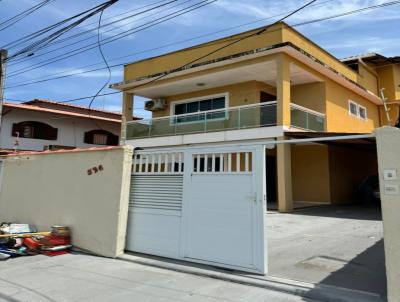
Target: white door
223,210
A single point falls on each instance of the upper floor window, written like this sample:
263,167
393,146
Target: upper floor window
362,112
357,110
353,108
200,105
101,137
35,130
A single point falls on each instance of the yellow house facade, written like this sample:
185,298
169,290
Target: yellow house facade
267,86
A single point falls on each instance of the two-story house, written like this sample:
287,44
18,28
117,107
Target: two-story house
39,125
214,149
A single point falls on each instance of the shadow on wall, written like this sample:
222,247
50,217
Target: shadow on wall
343,211
366,272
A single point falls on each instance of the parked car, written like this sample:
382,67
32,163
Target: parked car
368,192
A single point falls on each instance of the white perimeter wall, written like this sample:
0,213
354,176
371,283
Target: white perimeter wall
55,189
388,143
70,129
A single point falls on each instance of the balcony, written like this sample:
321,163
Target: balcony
233,118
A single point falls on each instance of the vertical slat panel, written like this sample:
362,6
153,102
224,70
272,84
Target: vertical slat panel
246,161
159,163
229,162
152,163
140,163
172,162
237,162
198,163
205,162
146,164
134,163
180,162
213,163
166,163
221,162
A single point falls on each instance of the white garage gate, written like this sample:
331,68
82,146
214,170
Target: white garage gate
202,205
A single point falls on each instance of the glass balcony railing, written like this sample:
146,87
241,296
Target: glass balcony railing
306,119
234,118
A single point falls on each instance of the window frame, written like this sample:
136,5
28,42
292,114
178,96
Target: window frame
88,137
198,99
356,105
366,113
39,130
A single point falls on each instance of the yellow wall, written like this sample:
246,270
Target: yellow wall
290,35
368,78
310,173
276,34
347,168
311,96
323,173
239,94
387,81
396,71
337,111
178,58
327,97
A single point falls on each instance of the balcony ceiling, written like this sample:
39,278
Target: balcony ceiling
262,72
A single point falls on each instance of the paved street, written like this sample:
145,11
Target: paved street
88,278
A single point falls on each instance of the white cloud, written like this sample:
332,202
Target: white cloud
321,9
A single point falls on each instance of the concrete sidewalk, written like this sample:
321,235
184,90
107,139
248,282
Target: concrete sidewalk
78,277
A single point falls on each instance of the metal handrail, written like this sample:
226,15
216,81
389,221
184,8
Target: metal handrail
305,109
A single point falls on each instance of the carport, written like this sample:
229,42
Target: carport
207,203
326,233
314,168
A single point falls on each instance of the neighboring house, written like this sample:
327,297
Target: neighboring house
216,146
42,125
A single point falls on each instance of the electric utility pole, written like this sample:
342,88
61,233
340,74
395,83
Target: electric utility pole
3,57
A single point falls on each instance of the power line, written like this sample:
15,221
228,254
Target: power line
44,79
107,66
51,37
116,37
257,33
182,41
214,51
29,37
112,17
11,21
19,61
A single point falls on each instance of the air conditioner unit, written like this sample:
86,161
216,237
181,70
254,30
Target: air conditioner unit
154,105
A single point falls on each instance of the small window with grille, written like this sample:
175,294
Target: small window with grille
34,130
353,108
362,112
101,137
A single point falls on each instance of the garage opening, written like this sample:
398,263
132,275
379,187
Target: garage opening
334,234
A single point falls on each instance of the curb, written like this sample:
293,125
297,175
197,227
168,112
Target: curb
325,293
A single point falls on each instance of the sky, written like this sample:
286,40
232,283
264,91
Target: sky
374,31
